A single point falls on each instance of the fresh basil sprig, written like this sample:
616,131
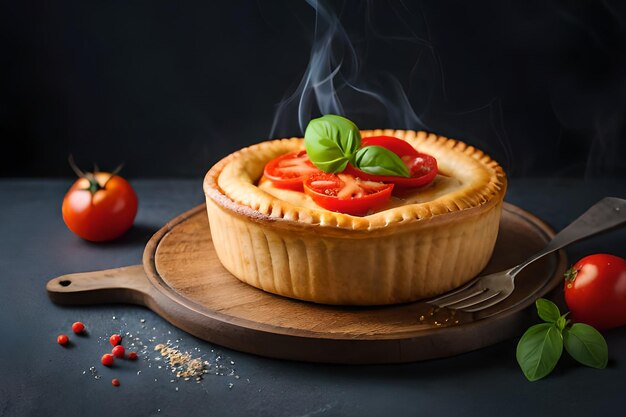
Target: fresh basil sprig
333,141
540,348
377,160
586,345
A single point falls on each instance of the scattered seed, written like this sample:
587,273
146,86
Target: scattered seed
115,339
78,327
107,359
118,351
188,365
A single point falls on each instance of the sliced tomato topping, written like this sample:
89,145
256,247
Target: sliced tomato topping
289,170
398,146
423,170
346,194
422,167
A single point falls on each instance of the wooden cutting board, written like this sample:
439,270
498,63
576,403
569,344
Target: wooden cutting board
182,280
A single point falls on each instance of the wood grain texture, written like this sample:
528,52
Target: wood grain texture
184,282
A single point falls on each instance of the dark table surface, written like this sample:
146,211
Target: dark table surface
40,378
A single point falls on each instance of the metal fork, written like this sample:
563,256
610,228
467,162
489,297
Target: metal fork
488,290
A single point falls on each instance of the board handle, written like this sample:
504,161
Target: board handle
128,284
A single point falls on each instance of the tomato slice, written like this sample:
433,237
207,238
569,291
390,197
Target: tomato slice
422,167
289,171
398,146
347,194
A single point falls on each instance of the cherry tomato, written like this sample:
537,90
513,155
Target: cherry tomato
289,170
78,327
118,351
422,167
107,359
132,356
100,206
595,291
115,339
62,339
346,194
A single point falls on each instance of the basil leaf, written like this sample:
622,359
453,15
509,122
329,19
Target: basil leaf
548,311
586,345
562,322
377,160
331,141
539,350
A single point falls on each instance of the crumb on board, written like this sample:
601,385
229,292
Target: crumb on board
183,363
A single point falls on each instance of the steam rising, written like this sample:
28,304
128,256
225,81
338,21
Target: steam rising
333,76
555,113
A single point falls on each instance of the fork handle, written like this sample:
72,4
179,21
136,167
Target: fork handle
608,213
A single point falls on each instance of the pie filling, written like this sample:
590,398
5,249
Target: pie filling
341,171
441,186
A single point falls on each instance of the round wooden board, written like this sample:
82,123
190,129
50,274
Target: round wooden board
183,281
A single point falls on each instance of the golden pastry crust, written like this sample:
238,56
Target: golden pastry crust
398,254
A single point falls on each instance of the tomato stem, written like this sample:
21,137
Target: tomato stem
75,168
570,274
114,173
94,185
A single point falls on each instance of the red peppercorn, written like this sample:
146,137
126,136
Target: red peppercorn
107,359
115,339
115,382
78,327
132,356
62,339
118,351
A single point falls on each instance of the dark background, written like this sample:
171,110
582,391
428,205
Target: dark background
169,87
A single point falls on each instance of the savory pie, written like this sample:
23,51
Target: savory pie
425,243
